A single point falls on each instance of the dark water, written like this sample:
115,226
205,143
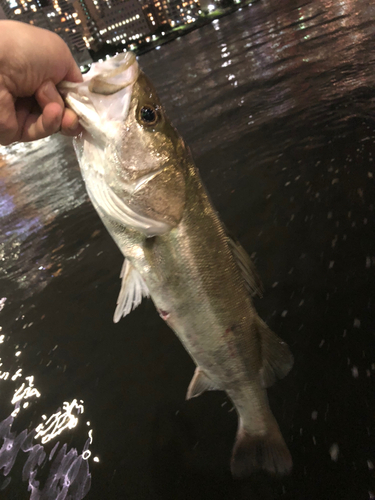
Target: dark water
277,104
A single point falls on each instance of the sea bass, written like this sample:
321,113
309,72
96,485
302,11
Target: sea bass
142,181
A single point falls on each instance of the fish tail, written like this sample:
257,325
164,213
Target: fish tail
267,452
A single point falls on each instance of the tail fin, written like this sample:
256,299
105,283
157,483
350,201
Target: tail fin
253,452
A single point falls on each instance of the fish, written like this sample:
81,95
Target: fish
143,182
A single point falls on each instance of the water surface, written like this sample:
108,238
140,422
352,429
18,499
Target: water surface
277,104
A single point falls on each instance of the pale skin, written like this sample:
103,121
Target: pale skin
32,62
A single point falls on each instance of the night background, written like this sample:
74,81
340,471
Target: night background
276,101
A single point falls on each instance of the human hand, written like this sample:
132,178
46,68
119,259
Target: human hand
32,62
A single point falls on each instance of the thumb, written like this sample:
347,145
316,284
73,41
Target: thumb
48,93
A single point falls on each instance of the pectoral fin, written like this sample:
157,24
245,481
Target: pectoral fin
133,289
199,384
277,360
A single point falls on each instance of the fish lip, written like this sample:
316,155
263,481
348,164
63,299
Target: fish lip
102,99
71,92
83,99
66,88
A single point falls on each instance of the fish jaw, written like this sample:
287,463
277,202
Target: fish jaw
102,100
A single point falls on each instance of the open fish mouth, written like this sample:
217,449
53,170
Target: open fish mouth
105,93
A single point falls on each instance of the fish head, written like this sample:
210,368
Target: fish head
131,157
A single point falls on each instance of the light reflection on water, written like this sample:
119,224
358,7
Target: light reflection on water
68,473
37,183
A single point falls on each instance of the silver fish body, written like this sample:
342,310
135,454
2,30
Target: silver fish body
143,182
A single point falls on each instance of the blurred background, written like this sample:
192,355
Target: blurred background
276,101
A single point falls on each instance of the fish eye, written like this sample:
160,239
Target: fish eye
148,115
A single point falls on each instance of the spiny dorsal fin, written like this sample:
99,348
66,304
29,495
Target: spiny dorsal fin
247,267
277,360
133,288
199,383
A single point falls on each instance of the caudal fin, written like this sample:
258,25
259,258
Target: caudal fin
254,452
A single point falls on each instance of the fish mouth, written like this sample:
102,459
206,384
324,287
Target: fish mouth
105,93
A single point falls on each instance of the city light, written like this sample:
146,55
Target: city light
90,24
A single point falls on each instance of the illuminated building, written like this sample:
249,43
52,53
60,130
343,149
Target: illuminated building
55,15
180,11
155,16
175,12
111,21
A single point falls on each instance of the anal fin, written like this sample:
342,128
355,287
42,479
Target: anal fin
277,360
133,289
199,384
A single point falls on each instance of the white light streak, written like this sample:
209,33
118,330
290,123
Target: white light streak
2,303
59,421
25,392
17,374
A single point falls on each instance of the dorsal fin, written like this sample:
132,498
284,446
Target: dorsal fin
133,288
247,267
